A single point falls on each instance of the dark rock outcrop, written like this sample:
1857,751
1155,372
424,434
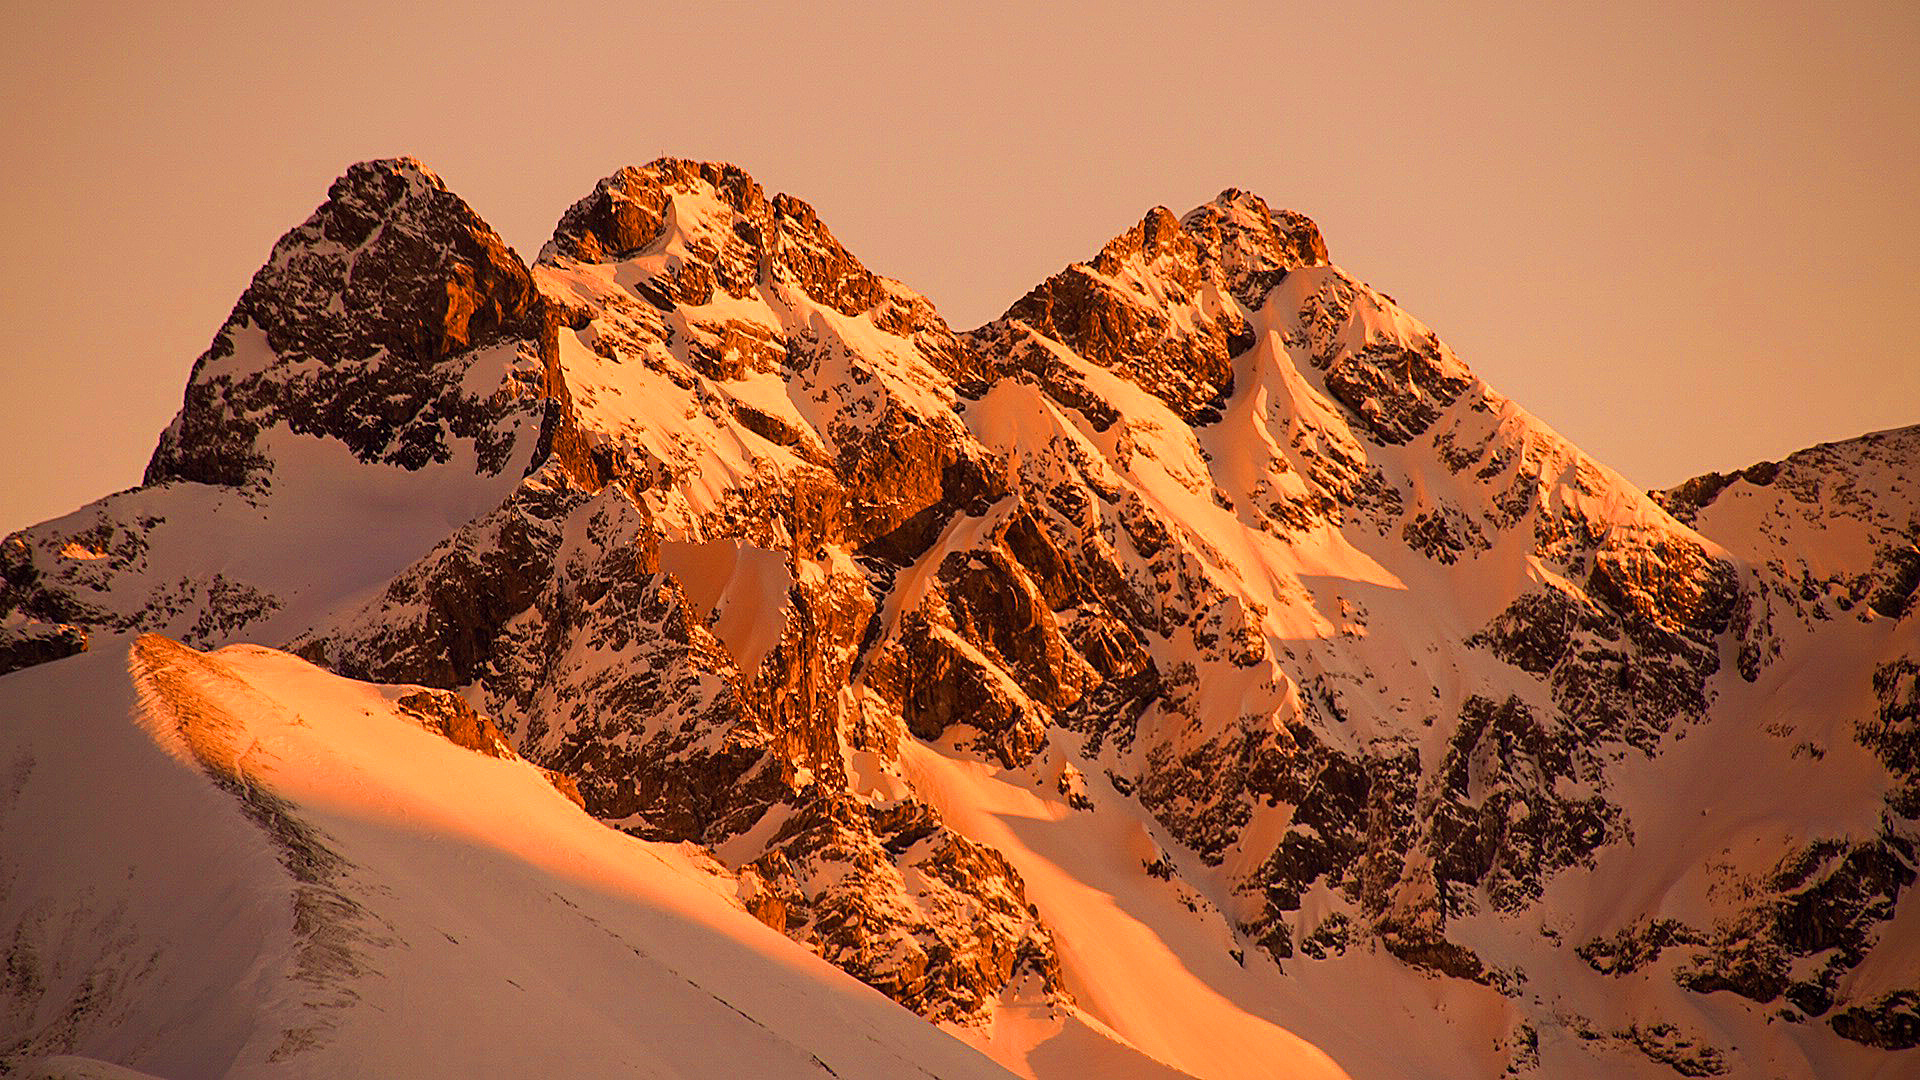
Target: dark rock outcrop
38,643
1889,1022
360,328
1115,310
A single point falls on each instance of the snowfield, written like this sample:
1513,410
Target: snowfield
235,864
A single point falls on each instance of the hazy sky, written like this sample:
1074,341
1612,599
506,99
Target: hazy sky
1687,235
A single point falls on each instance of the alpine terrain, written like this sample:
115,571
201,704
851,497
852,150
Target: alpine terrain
689,656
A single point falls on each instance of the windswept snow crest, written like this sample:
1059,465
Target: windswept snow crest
330,889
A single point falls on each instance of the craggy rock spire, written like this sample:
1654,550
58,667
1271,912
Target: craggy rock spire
1249,247
703,228
1166,302
360,328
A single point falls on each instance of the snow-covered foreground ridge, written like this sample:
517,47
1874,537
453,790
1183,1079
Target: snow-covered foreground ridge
354,895
1196,671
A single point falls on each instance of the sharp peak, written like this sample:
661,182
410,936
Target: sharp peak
385,180
1236,227
667,175
402,165
393,192
1236,196
622,209
1247,210
381,190
734,183
1231,202
673,164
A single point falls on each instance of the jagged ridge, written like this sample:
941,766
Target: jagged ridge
1203,522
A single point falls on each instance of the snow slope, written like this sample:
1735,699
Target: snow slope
235,864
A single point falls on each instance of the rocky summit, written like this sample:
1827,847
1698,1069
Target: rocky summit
1196,671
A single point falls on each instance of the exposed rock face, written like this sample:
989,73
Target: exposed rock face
1890,1022
1500,818
563,612
95,571
1397,387
1203,531
1800,928
448,715
1164,303
934,920
33,643
1634,653
372,311
392,328
707,230
1835,535
1823,534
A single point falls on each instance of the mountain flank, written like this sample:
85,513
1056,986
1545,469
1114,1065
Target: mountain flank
1197,670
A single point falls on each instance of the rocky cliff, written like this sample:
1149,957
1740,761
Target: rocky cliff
1385,687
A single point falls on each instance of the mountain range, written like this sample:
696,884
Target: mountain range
687,655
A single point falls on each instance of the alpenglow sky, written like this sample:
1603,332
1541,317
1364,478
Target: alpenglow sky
1686,238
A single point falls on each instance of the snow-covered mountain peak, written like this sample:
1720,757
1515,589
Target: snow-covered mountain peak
1252,245
628,211
1234,242
689,232
1197,659
392,320
379,189
385,365
1168,303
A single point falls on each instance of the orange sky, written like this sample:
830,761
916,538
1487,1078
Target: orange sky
1687,235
